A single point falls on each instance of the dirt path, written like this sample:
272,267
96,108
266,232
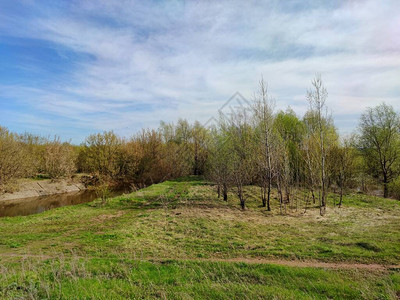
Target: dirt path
281,262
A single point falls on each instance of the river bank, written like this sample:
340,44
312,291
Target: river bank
36,196
28,188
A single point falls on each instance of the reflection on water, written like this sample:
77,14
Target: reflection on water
35,205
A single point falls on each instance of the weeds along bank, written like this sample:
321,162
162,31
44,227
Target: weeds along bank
254,145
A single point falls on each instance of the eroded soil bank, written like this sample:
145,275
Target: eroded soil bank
36,196
45,187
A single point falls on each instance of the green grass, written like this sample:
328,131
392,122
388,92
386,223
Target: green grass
122,279
179,220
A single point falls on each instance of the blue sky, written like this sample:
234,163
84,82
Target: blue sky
73,68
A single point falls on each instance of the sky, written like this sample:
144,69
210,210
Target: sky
72,68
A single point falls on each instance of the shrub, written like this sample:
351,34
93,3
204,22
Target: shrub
100,154
59,159
394,188
13,162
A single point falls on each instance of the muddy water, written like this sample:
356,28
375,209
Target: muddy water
35,205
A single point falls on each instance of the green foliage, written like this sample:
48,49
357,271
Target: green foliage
290,126
394,188
292,131
103,191
100,154
380,142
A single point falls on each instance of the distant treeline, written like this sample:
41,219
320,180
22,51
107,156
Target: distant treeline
253,145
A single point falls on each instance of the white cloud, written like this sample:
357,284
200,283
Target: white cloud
186,59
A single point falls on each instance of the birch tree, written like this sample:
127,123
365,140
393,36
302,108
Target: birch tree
263,116
316,97
241,145
220,163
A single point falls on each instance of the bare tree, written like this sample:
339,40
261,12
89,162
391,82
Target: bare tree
282,173
199,142
263,116
240,141
220,163
59,159
317,99
12,163
310,156
342,160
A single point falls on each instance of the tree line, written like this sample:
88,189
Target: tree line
297,157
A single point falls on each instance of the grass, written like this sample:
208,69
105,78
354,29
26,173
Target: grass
166,241
122,279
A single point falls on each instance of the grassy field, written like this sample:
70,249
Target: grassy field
176,240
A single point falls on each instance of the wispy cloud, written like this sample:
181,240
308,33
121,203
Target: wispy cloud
130,64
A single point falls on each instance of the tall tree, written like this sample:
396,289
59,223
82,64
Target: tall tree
380,142
220,164
199,148
316,97
263,116
342,161
282,172
291,131
240,141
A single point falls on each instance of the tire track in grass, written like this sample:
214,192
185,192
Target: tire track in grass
281,262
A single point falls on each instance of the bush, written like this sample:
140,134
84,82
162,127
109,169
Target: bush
100,155
59,159
13,162
394,188
103,191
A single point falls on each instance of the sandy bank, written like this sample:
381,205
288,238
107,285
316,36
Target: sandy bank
36,188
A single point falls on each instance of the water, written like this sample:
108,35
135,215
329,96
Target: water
35,205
